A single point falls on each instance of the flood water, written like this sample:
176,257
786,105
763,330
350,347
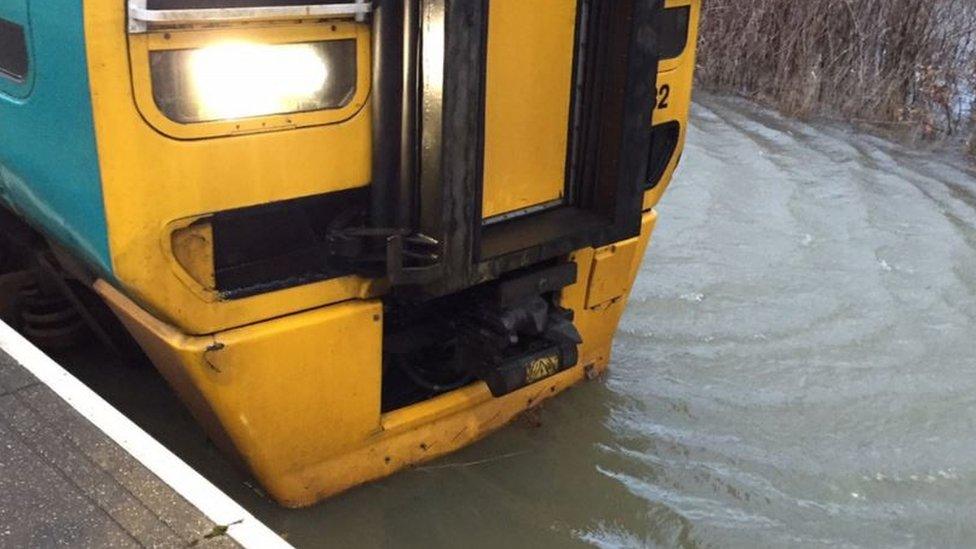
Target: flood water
797,368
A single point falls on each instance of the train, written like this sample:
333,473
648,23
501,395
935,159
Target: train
352,236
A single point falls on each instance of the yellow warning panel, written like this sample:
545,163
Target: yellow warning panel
610,276
527,103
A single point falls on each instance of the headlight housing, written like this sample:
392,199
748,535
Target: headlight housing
233,80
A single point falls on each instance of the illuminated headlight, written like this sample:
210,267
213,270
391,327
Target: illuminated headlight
240,79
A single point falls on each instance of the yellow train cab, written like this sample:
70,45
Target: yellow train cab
354,236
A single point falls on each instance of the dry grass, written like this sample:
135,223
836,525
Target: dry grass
904,64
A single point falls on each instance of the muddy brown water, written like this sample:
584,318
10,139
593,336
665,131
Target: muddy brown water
797,368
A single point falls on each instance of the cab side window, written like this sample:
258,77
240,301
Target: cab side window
14,62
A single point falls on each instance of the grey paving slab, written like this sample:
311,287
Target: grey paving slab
63,483
40,506
13,376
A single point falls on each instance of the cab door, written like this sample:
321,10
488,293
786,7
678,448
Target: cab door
527,106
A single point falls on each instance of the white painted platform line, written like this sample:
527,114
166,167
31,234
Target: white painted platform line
200,492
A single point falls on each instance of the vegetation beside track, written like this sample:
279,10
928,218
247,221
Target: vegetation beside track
908,66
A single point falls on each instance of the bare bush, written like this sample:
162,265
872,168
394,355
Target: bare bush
909,64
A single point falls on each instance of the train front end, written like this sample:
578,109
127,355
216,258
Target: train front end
355,236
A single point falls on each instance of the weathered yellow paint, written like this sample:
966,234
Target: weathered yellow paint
678,74
610,272
151,180
192,247
297,398
528,90
282,395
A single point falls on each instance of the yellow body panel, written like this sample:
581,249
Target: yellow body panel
527,103
150,180
281,395
297,399
610,274
678,75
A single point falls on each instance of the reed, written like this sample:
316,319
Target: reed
908,65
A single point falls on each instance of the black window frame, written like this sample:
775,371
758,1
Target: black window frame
14,52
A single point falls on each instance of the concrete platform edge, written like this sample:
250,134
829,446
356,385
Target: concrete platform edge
243,527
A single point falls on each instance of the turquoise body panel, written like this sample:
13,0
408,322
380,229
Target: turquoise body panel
49,171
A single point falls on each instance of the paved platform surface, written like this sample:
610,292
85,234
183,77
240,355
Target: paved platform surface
63,482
